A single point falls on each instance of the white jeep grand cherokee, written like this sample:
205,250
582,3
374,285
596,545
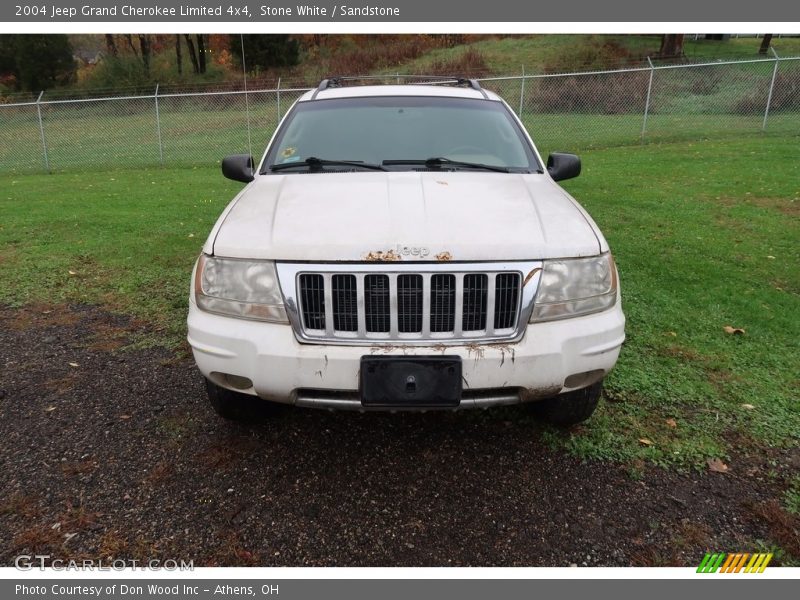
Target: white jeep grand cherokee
404,247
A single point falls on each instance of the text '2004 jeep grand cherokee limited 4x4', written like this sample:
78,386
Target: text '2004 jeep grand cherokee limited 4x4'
404,247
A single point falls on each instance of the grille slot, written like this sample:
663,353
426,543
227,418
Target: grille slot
409,303
312,295
376,303
476,288
443,302
370,305
345,303
506,296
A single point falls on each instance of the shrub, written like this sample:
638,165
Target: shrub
469,62
610,94
705,80
785,96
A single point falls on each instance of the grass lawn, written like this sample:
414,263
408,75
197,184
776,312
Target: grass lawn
706,234
507,55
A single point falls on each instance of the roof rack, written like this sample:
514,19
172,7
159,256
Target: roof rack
335,82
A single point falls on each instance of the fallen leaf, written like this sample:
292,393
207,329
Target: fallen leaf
733,330
671,423
717,466
645,442
748,406
73,364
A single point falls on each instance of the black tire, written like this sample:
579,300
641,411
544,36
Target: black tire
570,408
235,406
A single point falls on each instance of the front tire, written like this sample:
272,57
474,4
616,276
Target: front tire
569,408
235,406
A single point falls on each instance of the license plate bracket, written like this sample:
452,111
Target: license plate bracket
410,381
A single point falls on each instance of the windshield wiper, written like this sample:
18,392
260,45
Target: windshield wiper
314,163
441,161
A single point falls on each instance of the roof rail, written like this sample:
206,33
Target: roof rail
332,82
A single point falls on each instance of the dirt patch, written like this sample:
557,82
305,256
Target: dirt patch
132,463
682,353
786,206
784,528
40,316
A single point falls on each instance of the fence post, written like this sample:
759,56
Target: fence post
771,88
278,91
246,97
41,131
647,101
158,130
521,92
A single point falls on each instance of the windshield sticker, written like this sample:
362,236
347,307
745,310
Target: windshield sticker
288,153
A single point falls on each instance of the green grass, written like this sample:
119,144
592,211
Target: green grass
129,236
706,234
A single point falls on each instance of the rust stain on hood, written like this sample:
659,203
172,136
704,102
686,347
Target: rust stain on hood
383,256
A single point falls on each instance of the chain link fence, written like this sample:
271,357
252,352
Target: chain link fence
562,111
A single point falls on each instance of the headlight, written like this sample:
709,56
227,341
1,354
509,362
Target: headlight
574,287
239,288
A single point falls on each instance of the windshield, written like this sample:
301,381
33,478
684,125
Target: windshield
401,133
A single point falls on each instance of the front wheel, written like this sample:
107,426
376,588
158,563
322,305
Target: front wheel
569,408
235,406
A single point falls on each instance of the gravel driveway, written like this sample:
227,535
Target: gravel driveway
112,452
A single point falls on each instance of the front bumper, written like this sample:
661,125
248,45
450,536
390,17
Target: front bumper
551,358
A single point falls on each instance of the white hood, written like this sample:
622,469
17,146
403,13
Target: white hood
463,216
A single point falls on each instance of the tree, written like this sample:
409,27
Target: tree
671,45
192,53
8,60
198,56
144,48
37,61
111,45
265,51
201,53
765,42
178,55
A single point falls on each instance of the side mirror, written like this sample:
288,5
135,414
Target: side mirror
239,167
562,166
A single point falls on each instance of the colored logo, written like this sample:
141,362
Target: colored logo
734,563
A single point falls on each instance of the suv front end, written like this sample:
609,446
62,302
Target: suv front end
519,303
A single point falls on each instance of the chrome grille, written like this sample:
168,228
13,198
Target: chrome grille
506,294
475,293
409,303
313,301
376,303
380,302
345,303
443,302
